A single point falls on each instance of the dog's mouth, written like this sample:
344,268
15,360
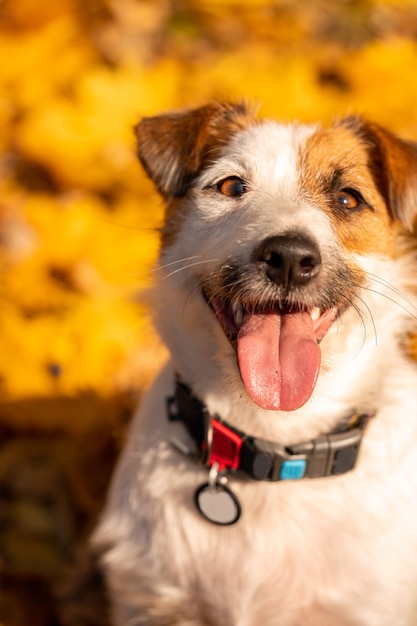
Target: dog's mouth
277,349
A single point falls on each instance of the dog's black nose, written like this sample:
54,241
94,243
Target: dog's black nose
290,260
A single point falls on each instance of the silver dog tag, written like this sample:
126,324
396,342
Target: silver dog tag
217,504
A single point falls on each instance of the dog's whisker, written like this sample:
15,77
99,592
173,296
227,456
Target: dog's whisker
187,266
146,273
190,293
176,262
391,287
159,268
384,295
361,315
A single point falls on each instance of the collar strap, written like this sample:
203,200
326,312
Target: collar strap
231,449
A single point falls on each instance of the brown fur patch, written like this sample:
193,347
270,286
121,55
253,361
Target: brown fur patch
393,163
174,148
335,159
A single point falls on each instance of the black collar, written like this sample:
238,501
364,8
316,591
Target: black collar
228,448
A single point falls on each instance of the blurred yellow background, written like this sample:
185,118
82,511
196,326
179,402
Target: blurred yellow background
79,220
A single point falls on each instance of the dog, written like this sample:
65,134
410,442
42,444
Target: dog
270,474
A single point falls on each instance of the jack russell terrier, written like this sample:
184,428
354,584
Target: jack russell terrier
270,475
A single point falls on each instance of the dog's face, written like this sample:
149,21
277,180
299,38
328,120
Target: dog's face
276,231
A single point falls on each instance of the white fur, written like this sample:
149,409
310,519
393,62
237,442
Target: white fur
338,551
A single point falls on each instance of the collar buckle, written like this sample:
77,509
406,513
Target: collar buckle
224,445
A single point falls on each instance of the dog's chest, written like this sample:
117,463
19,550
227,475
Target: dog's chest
337,551
301,553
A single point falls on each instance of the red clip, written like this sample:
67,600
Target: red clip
225,446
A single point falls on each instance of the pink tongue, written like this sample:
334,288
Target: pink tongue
279,359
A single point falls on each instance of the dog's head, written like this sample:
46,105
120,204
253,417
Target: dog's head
281,229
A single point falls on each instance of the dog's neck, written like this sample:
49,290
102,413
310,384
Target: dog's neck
230,449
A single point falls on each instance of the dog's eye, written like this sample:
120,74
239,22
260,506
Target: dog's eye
349,199
233,186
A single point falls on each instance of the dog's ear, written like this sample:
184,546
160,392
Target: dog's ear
174,147
393,163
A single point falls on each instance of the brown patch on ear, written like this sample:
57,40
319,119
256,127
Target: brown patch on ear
393,163
174,147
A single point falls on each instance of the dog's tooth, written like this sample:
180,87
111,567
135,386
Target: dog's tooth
239,317
315,314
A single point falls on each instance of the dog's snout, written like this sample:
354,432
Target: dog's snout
290,260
